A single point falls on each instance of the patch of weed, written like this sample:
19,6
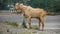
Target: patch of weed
11,23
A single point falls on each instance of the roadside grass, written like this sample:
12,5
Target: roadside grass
23,25
12,23
35,27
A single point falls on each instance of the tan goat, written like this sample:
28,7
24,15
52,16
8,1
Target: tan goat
30,12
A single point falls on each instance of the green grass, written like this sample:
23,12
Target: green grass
11,23
35,27
24,24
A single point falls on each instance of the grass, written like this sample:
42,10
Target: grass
24,24
11,23
35,27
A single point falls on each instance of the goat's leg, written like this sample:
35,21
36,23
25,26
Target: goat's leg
39,24
42,20
29,22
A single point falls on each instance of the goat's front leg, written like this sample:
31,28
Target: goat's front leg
42,20
39,24
29,22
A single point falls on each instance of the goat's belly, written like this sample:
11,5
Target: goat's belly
32,14
35,15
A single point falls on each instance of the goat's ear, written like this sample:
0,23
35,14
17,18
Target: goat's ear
17,4
47,13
